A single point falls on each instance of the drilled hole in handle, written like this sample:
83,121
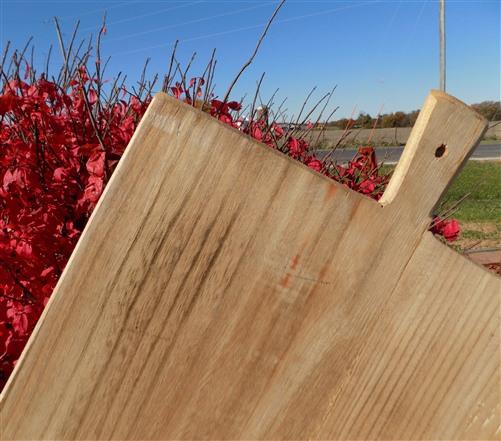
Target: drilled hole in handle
440,151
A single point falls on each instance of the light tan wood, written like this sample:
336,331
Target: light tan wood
224,291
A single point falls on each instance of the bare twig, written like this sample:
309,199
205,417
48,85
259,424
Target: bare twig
452,209
210,78
92,119
4,55
251,115
167,78
142,81
251,59
70,49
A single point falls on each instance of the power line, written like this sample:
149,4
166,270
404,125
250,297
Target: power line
246,28
149,14
418,17
162,28
93,11
382,42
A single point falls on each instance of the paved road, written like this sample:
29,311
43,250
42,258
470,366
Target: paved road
392,154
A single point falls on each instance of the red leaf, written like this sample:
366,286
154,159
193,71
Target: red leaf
93,190
27,71
177,91
226,119
24,249
7,103
451,230
279,132
367,186
256,132
235,105
17,177
315,164
60,174
95,164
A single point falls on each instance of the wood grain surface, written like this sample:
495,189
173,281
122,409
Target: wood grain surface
224,291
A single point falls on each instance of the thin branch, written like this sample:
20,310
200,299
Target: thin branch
63,49
167,78
255,98
4,56
251,59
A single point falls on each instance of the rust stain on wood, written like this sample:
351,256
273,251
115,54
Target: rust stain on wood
285,281
331,191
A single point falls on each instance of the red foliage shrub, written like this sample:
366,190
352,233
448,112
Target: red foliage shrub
53,169
449,229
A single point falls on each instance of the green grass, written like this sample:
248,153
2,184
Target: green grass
483,181
480,213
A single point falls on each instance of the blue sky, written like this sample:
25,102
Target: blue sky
378,53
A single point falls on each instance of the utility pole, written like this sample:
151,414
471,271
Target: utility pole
441,26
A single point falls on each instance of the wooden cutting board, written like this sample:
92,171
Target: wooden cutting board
223,291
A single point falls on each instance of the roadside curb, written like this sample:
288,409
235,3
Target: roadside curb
490,258
485,257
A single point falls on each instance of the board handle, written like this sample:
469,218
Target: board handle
443,137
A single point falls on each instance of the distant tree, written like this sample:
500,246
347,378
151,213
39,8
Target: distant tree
490,110
402,119
413,117
388,120
364,120
343,123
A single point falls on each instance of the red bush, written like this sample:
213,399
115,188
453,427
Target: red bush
53,168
